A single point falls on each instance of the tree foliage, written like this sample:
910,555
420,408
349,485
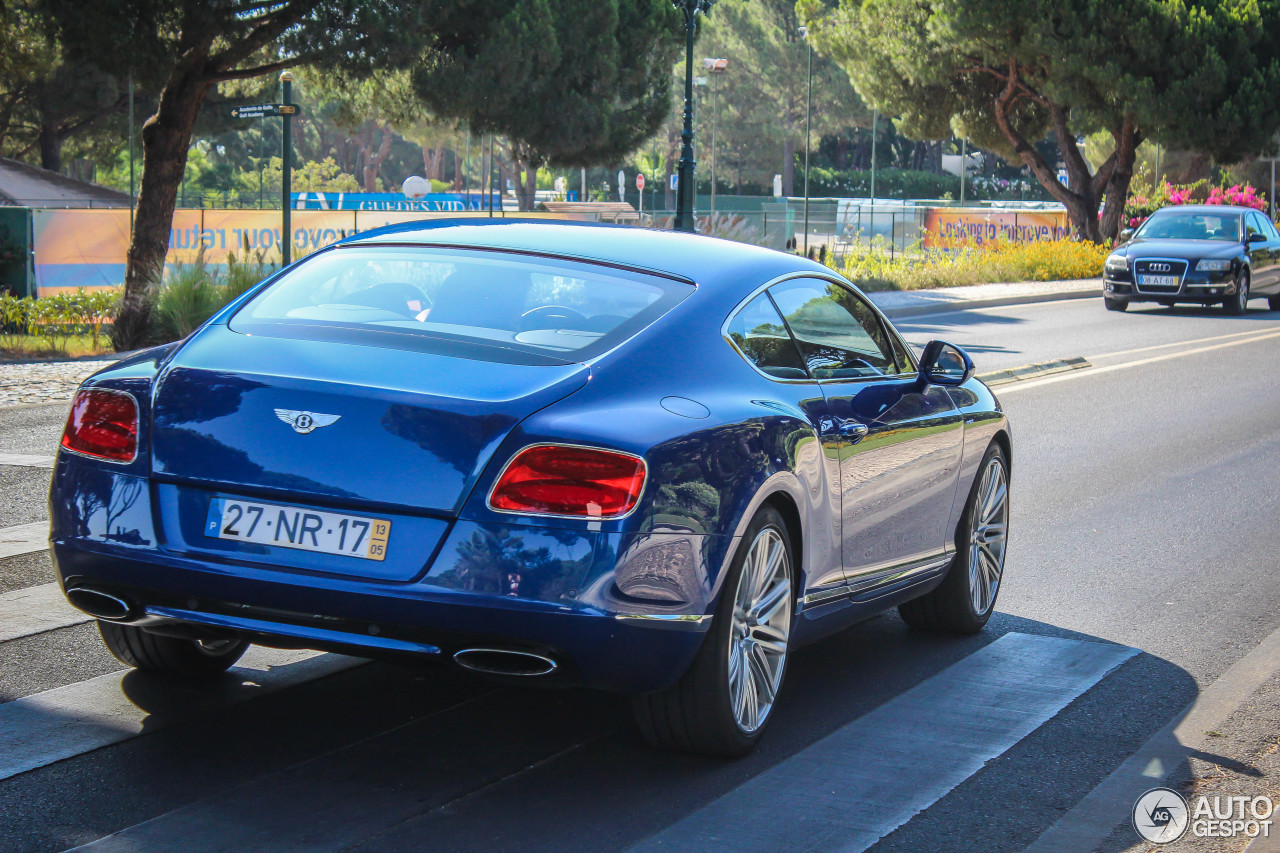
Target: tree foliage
1005,72
568,82
186,48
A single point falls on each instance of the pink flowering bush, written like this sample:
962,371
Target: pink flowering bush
1247,196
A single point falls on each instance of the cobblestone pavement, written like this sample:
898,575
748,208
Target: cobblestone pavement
47,382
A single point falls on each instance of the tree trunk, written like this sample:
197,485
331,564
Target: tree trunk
373,161
165,139
789,167
50,142
522,200
531,182
1117,186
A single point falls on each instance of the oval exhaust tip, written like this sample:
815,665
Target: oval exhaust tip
505,662
103,605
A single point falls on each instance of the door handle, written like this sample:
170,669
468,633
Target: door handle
854,432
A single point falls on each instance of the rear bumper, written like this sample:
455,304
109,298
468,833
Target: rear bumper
550,592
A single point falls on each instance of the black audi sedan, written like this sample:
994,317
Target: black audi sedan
1200,254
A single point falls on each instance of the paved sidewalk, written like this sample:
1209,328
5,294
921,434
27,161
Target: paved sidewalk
43,382
908,303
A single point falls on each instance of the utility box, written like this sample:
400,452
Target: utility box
17,264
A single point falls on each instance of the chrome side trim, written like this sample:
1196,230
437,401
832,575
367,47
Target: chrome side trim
891,574
671,621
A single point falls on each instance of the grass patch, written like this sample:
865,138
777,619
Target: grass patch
20,347
873,267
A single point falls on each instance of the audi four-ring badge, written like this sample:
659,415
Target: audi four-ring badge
1198,254
567,454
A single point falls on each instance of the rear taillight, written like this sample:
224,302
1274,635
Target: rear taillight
553,479
103,424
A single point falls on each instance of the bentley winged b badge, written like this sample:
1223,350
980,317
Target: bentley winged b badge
305,422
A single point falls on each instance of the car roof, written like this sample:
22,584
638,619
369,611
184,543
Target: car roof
691,257
1207,208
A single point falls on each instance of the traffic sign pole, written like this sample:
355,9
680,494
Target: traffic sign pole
286,147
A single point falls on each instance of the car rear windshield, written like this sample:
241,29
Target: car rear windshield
1192,226
491,305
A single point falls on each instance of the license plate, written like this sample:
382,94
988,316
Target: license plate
298,527
1159,280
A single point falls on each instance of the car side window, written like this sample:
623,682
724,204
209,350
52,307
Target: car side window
1253,225
839,335
1270,229
760,335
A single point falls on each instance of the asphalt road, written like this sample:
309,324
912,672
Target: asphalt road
1145,495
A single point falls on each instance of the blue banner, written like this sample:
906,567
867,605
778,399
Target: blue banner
433,202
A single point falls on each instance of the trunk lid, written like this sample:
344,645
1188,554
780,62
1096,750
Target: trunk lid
340,424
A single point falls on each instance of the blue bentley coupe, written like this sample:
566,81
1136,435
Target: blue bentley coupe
640,461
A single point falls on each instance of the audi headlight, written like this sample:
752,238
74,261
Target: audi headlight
1208,265
1116,263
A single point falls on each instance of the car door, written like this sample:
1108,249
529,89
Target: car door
1272,286
898,441
1262,255
760,335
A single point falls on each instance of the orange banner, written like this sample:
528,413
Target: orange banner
945,227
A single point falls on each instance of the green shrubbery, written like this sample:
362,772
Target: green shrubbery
187,296
908,184
51,322
191,293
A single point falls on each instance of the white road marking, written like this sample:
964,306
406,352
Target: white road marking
24,539
35,610
858,784
26,460
1136,350
1108,805
58,724
1080,374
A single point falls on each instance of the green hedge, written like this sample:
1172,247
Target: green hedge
56,318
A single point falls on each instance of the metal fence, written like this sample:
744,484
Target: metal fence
833,228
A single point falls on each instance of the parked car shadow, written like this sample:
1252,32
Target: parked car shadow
395,757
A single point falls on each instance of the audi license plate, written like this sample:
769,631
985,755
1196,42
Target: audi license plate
297,527
1159,280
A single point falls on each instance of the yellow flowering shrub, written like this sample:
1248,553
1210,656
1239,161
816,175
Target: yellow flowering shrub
873,267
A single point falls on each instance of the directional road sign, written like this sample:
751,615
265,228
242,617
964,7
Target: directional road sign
264,110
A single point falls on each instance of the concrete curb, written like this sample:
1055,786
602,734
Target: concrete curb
944,307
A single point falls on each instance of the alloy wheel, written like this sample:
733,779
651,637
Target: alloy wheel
989,528
1242,293
761,627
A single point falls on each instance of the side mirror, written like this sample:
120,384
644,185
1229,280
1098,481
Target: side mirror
1125,234
1257,238
945,364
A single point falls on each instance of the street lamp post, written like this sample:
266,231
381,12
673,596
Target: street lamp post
685,189
808,110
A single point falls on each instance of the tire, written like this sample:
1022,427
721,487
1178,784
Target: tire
966,598
1115,304
1237,304
702,713
1273,303
172,657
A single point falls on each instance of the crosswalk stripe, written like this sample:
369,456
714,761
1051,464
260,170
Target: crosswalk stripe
35,610
58,724
24,539
26,460
858,784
